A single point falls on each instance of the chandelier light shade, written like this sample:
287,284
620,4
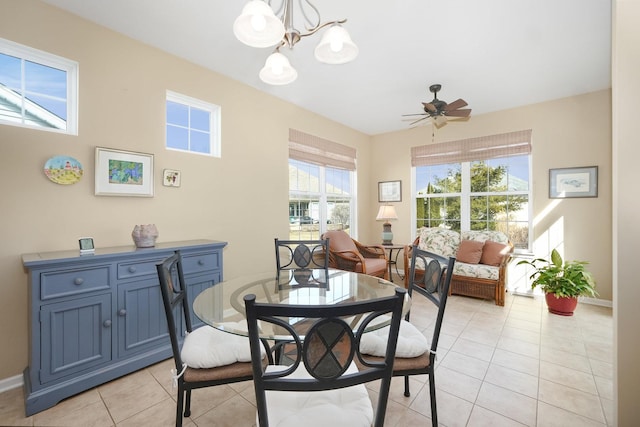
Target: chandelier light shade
259,26
386,213
336,46
277,70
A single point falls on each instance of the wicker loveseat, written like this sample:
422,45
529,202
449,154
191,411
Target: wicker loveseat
486,252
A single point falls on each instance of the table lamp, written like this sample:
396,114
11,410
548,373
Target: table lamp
386,213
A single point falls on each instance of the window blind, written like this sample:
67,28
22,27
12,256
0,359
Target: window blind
319,151
479,148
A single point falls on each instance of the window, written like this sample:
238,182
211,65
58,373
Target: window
321,182
37,89
491,192
192,125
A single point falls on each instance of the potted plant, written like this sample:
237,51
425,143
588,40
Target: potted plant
562,282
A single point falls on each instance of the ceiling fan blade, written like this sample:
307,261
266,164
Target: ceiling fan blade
458,103
417,114
429,106
419,120
459,113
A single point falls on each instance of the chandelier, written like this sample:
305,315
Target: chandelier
260,26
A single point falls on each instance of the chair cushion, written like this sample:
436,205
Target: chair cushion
375,266
207,347
340,241
411,342
349,406
470,251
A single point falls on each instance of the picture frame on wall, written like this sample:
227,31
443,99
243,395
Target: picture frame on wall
390,191
123,173
573,182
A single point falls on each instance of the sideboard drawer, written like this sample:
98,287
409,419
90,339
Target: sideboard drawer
201,262
128,270
69,282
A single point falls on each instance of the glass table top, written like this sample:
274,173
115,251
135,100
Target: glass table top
222,305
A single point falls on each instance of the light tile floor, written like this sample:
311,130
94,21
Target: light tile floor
516,365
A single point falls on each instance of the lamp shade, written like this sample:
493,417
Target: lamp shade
336,46
386,213
277,70
258,26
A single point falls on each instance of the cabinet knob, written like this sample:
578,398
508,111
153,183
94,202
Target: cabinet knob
200,262
122,312
78,281
132,269
107,323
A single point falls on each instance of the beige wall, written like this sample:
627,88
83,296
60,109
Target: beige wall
122,98
626,205
565,134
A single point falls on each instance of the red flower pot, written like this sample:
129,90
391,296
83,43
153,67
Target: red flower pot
564,306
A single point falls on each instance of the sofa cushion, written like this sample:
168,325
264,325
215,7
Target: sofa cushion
470,251
480,271
493,253
439,241
484,235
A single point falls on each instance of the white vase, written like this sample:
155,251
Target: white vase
144,236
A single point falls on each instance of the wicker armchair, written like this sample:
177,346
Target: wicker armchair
348,254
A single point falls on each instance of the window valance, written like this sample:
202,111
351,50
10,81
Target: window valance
319,151
479,148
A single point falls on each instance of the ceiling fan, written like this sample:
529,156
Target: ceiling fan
439,110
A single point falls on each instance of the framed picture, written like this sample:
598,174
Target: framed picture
573,182
123,173
390,191
171,178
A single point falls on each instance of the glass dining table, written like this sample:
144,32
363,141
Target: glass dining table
222,305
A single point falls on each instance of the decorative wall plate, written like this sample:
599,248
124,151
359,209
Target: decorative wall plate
63,170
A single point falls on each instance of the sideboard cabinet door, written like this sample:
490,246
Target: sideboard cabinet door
76,336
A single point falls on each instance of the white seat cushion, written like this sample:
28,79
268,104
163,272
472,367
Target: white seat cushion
411,342
207,347
349,406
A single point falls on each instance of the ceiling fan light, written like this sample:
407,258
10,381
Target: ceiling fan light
336,46
258,26
277,70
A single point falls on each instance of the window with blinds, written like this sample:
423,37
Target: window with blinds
321,186
478,183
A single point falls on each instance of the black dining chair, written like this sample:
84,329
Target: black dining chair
323,382
434,286
296,257
208,357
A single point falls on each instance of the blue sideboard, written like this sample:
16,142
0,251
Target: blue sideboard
96,317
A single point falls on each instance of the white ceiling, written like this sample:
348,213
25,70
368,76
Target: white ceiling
495,54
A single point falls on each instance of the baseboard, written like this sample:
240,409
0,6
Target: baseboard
10,383
596,301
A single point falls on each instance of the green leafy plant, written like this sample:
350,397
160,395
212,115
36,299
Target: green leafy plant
563,279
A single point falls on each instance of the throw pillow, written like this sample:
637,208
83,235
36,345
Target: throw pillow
493,253
470,251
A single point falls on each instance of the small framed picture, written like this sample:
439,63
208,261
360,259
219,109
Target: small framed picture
573,182
390,191
171,178
123,173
